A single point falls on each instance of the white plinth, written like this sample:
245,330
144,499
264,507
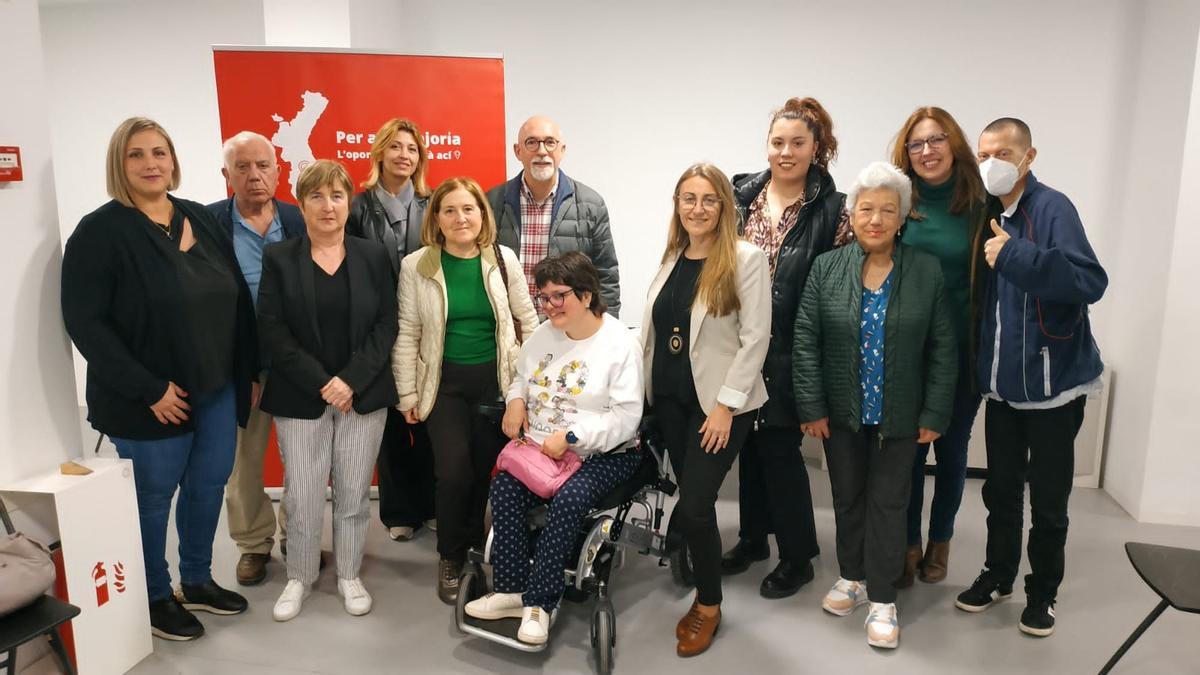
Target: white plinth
95,518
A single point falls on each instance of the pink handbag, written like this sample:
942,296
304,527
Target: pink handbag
539,472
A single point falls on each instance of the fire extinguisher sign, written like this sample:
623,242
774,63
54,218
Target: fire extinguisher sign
100,577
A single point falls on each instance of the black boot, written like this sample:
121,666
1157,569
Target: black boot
786,579
737,559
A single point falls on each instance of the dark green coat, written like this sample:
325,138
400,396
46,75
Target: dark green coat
919,360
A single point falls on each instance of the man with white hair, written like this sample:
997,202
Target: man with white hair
542,212
253,218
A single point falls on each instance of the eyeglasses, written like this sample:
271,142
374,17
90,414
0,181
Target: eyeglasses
553,299
688,201
531,144
936,142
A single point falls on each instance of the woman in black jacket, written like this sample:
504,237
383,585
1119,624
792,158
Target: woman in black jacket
390,210
327,314
153,297
792,211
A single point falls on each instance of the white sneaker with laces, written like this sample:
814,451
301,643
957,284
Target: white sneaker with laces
883,627
356,597
495,606
844,597
535,625
288,604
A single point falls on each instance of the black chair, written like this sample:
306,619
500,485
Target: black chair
1173,573
41,617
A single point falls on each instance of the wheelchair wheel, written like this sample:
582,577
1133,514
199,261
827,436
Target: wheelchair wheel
681,567
603,638
471,585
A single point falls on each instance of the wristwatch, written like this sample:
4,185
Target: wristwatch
572,439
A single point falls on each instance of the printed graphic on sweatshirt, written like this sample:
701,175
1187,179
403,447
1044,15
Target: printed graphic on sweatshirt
550,402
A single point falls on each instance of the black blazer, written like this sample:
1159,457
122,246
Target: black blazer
287,324
289,217
121,306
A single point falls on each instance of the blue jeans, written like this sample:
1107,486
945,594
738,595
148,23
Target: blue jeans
950,474
198,463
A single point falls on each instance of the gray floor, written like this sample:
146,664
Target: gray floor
411,631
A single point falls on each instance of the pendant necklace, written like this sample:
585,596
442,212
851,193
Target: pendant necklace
675,342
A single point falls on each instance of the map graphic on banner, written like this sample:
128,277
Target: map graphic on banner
329,104
292,137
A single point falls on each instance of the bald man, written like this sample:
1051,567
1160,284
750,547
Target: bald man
542,212
254,218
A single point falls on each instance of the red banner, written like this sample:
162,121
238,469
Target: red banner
328,105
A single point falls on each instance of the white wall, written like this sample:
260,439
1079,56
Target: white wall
1147,146
107,61
38,414
643,89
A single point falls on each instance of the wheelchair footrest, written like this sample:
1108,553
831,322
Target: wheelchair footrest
503,631
639,537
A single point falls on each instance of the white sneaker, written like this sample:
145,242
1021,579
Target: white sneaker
495,606
357,599
535,625
288,604
845,596
431,524
401,533
883,628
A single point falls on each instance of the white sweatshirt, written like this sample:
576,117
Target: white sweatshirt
592,387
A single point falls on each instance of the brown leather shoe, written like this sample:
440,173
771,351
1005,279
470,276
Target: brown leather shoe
699,632
681,627
912,562
448,573
936,562
252,568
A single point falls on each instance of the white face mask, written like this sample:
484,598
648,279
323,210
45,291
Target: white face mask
999,176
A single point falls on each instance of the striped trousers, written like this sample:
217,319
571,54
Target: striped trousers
338,448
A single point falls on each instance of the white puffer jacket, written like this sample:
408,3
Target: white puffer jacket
417,355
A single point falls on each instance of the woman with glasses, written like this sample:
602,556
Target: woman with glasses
874,376
792,212
578,388
390,210
705,333
462,299
947,219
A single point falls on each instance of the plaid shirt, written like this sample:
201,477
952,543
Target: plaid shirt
535,236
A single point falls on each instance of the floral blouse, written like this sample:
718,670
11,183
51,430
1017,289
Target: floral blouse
870,369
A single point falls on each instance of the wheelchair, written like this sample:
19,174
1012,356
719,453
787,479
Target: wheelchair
628,518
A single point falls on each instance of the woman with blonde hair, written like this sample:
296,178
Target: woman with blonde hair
153,297
390,209
463,305
705,333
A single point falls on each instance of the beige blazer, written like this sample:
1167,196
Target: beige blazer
727,352
417,354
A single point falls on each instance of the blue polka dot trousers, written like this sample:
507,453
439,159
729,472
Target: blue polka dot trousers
543,585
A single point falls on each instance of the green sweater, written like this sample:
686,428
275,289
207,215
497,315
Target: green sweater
919,354
948,238
470,321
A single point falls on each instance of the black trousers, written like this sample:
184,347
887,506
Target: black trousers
699,475
774,495
1038,446
405,469
465,446
871,477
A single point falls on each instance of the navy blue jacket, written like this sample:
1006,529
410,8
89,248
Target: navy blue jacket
1045,278
289,217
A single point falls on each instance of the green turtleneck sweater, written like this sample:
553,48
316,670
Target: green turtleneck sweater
948,237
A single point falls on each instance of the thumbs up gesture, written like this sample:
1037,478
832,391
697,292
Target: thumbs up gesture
991,248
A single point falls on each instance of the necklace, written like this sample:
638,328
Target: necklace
675,342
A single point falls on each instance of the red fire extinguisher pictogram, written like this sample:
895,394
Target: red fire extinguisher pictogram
101,579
